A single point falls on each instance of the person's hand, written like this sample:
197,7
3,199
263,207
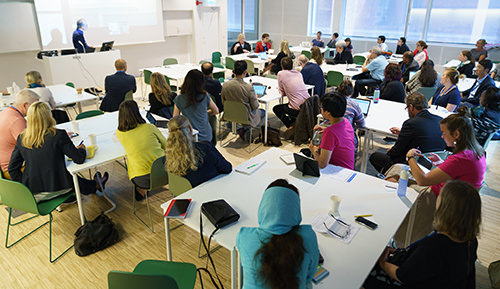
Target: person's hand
319,127
395,130
237,45
393,179
385,255
389,149
246,51
413,153
82,146
314,149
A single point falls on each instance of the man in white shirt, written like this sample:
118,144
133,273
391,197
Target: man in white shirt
381,43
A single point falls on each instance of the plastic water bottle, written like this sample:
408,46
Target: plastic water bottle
376,95
403,183
316,140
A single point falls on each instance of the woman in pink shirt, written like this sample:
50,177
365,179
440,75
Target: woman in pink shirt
337,143
468,162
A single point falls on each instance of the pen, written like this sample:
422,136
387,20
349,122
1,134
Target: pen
81,143
252,166
363,216
390,187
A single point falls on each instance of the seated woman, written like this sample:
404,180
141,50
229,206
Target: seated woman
143,143
280,253
348,45
392,88
337,142
447,94
276,63
161,97
479,53
444,259
489,104
42,148
420,53
425,77
194,101
240,46
196,161
316,55
467,63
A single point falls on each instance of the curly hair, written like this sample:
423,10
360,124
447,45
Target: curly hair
392,72
182,155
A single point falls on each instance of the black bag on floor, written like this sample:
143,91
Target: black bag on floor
273,137
95,235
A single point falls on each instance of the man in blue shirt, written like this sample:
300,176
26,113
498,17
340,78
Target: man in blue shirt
470,97
313,75
78,39
318,41
373,72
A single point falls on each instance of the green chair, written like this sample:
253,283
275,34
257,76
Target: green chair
172,87
334,78
157,179
218,75
307,53
73,105
250,67
221,79
147,76
129,95
216,59
90,113
169,61
428,92
70,84
153,274
177,184
229,63
236,112
17,196
359,59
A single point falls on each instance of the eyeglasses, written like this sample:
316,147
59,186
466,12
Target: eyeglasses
342,224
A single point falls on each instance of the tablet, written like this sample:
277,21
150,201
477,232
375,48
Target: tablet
156,122
308,166
259,89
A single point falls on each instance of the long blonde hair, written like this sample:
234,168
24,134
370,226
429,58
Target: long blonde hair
160,88
33,77
40,123
284,48
316,55
181,153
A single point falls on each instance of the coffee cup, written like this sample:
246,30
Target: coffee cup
76,126
335,203
79,90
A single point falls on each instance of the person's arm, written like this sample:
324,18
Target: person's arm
176,110
365,65
434,177
322,157
252,99
212,108
493,74
16,163
135,85
281,87
389,268
482,57
451,107
161,138
67,147
222,165
405,137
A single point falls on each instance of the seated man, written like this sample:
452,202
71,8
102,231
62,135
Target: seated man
212,86
332,42
238,90
373,72
264,45
312,75
407,65
13,123
343,56
116,86
381,43
421,130
471,96
291,84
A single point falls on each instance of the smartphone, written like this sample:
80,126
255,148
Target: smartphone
321,260
365,222
423,160
72,134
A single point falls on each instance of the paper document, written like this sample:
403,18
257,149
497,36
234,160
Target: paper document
337,228
452,63
288,159
250,166
338,173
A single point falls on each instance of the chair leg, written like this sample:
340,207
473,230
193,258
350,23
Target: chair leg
250,150
150,227
9,224
50,243
211,251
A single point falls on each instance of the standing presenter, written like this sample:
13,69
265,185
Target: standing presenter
78,38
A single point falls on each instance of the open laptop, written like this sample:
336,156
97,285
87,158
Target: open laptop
106,46
364,104
259,89
163,123
263,55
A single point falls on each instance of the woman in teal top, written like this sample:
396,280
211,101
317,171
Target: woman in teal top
280,253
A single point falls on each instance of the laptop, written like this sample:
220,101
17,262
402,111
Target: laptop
259,89
364,104
412,73
263,55
106,46
307,166
156,122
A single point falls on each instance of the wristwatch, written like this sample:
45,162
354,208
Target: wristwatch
408,158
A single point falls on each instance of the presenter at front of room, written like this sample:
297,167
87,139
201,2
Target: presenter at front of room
78,38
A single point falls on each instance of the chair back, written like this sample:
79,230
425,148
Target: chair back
359,59
216,57
183,273
168,61
158,177
129,95
306,53
273,76
131,280
177,184
250,66
147,76
229,63
235,111
17,196
90,113
334,78
70,84
428,92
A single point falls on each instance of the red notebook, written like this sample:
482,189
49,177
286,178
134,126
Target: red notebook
178,208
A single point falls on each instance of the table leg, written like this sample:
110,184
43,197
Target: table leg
234,269
79,198
167,238
366,150
265,124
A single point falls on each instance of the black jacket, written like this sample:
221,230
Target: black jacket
409,68
214,88
487,82
402,49
393,91
117,85
239,50
313,75
467,70
45,167
343,57
420,131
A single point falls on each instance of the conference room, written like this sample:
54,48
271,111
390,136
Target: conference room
330,130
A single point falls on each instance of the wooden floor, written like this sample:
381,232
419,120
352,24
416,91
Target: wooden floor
26,265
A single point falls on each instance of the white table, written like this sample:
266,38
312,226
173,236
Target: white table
299,49
342,68
177,72
348,264
258,63
466,83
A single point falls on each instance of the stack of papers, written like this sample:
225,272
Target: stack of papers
288,159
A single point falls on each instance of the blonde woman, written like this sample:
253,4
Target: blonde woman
34,81
316,55
196,161
284,52
447,94
42,149
240,46
161,97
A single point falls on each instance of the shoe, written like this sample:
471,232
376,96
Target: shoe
104,179
138,196
242,134
70,200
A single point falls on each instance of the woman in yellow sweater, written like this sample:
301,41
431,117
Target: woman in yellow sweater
143,143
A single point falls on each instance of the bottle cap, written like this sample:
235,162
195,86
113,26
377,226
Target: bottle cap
403,175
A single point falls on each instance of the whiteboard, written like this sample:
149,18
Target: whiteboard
18,29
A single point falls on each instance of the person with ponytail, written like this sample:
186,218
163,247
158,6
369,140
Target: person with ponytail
467,63
161,97
280,253
143,143
447,94
198,162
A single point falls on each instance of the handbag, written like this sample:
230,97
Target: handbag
219,213
273,137
95,235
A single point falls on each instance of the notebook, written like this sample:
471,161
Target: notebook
90,152
178,208
321,273
364,104
259,89
250,166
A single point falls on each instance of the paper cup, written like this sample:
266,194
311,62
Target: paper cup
10,90
92,139
76,126
335,203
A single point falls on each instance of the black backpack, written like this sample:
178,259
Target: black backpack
95,235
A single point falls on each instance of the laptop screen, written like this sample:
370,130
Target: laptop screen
412,73
364,104
263,55
260,90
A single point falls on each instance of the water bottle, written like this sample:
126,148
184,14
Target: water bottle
316,140
403,183
376,95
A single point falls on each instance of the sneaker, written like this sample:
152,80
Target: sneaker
70,200
138,196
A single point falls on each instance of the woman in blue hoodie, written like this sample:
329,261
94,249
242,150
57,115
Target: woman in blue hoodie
280,253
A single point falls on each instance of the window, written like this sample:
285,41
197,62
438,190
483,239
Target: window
416,21
235,14
320,17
